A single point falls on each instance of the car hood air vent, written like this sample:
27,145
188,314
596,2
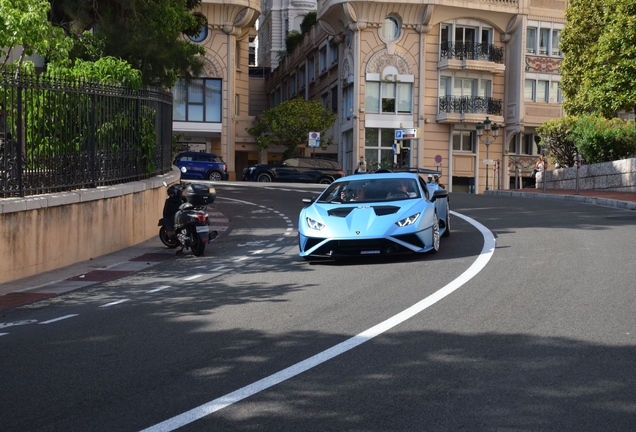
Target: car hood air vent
340,212
385,210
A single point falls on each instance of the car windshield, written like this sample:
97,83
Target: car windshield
374,190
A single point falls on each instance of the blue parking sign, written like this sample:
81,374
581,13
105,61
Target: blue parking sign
399,133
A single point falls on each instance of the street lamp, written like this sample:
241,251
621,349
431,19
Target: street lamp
487,140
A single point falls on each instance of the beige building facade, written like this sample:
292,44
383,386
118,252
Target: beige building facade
440,67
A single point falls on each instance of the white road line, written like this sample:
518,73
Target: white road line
271,245
3,334
280,239
241,259
289,229
193,277
161,288
58,319
218,268
115,303
258,251
303,366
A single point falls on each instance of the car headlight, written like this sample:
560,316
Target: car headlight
408,221
315,224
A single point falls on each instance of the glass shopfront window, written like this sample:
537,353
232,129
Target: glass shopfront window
197,101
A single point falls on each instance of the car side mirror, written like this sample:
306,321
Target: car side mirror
309,200
440,193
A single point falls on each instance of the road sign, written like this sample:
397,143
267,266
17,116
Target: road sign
403,134
438,159
314,139
488,162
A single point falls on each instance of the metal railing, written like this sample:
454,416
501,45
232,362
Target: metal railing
470,105
471,51
60,135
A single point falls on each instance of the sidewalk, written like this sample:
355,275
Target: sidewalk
95,270
624,200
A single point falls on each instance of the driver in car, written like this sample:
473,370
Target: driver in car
402,189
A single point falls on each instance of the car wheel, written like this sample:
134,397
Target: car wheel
264,178
215,176
325,181
447,231
435,235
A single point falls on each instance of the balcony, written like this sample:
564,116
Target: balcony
470,56
468,109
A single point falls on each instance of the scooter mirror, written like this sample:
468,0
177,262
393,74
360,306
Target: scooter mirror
164,183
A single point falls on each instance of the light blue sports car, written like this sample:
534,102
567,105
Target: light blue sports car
375,214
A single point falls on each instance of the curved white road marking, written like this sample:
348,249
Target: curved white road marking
303,366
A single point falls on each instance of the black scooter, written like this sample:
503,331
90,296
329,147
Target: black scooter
185,221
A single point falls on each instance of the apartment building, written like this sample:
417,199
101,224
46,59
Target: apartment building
441,68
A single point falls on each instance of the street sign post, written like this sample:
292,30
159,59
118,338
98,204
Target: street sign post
313,140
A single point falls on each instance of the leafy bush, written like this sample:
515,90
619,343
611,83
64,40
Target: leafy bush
308,21
292,40
602,140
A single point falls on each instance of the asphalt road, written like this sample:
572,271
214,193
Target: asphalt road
251,337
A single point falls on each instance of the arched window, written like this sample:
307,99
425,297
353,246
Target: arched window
391,29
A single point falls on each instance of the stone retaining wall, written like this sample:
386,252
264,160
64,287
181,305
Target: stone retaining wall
616,176
45,232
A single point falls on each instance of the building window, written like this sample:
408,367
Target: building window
391,29
522,144
197,101
543,41
556,38
389,97
531,37
536,90
311,65
301,77
333,53
334,99
292,85
324,100
347,100
463,141
378,148
322,59
203,32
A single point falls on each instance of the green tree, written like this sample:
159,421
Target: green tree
24,27
555,136
289,124
599,66
145,33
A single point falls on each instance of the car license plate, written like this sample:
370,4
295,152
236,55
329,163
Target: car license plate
369,252
203,228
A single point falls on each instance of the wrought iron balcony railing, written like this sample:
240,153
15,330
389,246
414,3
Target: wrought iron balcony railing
470,105
471,51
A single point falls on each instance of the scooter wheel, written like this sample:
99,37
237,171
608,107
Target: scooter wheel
198,246
171,242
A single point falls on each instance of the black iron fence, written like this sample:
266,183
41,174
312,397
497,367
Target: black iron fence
470,105
60,135
471,51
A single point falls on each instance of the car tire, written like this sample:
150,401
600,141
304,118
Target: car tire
214,176
325,181
447,231
264,178
435,235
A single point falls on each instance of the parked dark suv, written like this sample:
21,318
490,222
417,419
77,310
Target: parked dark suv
204,166
296,169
